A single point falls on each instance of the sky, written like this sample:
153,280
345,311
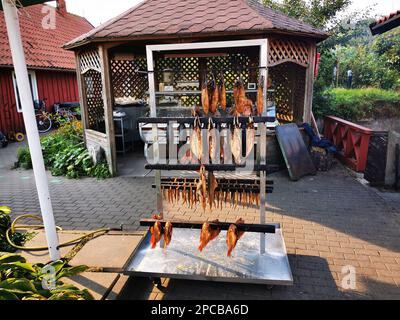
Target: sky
99,11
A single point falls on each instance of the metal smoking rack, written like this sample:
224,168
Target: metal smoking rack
261,253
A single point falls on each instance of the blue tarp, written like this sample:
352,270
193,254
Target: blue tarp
319,142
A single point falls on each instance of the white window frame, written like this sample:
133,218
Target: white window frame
35,93
150,49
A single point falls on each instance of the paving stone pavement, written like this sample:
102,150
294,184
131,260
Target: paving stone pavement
329,221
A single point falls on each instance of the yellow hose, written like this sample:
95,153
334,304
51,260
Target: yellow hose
14,227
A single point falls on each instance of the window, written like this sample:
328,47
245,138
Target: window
33,84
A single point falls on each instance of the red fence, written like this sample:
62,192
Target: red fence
351,140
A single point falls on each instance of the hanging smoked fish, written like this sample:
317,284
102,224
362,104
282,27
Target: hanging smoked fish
236,143
208,234
214,98
260,99
156,233
205,100
196,145
250,137
236,92
213,185
233,236
201,188
222,94
167,233
212,141
248,108
241,98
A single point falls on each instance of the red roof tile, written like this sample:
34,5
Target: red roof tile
385,23
385,18
43,47
155,18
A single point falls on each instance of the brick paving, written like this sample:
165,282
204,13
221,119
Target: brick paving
329,221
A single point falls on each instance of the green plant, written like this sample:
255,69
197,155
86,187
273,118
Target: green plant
357,104
17,237
100,170
20,280
64,153
24,158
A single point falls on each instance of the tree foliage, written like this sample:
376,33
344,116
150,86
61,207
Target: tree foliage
374,61
319,13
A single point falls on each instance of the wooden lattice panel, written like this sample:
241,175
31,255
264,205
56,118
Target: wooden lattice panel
284,50
90,60
233,67
126,80
185,69
289,83
94,100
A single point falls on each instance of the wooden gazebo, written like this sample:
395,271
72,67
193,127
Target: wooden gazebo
112,64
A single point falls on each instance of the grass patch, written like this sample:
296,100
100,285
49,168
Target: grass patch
357,104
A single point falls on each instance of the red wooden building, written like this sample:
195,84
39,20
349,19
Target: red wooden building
44,30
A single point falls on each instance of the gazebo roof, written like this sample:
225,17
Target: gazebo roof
157,19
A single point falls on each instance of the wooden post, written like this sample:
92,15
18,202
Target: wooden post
309,87
82,95
108,109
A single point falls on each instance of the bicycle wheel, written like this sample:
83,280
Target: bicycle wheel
44,123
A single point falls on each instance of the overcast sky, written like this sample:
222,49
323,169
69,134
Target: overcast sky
99,11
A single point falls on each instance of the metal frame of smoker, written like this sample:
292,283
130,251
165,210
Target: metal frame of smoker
260,166
263,45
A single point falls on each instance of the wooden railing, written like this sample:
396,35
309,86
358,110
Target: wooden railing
351,140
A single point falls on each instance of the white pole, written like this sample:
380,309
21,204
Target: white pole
21,72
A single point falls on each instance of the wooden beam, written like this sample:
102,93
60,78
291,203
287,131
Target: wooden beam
108,109
309,87
207,45
82,95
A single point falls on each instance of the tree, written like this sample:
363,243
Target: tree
321,14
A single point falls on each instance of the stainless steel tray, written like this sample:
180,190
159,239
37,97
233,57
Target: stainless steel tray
182,260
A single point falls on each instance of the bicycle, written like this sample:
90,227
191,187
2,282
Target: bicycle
43,118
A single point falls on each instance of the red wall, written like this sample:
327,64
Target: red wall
10,119
57,87
53,86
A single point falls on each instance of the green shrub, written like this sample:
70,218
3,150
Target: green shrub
20,280
24,158
64,154
5,223
357,104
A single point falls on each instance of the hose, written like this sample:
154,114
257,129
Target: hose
14,227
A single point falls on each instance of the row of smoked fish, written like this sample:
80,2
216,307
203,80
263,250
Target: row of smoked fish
200,190
216,96
196,143
207,234
209,192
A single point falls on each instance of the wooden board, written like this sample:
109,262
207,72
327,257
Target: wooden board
294,150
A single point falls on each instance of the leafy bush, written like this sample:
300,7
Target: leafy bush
17,237
64,153
24,158
20,280
357,104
